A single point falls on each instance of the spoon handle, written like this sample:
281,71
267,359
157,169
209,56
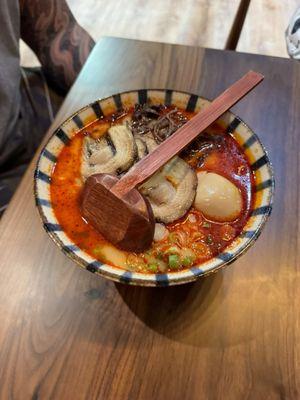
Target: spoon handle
184,135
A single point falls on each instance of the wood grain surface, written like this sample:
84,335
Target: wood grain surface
189,22
265,25
68,334
133,220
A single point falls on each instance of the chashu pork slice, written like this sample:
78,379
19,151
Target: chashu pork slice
171,190
145,144
141,148
113,153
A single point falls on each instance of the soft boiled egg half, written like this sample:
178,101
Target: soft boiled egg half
217,197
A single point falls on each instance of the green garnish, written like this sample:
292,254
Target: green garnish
152,267
206,224
174,261
97,250
172,250
209,239
187,261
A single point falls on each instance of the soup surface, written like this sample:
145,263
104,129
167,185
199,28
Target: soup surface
204,230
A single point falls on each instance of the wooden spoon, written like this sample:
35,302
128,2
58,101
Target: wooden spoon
117,209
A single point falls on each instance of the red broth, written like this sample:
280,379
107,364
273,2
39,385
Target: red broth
191,234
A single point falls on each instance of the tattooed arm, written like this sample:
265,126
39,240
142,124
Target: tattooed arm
62,46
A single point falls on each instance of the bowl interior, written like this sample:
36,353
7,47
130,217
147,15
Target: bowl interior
246,138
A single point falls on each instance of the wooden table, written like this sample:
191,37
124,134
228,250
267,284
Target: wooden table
68,334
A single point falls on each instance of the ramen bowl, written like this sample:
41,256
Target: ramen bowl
244,136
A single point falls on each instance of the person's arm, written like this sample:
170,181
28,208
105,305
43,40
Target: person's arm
62,46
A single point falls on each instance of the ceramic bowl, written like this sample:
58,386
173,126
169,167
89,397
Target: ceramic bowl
247,139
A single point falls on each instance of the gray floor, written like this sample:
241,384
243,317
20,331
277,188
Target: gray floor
190,22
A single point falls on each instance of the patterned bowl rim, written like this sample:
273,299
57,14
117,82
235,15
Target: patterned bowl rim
117,274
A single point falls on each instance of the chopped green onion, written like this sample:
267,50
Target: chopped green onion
172,250
187,261
209,239
97,250
206,224
152,267
174,261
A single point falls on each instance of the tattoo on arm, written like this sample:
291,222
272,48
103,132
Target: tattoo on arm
60,43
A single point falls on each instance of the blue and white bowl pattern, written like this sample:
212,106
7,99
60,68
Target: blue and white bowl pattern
248,140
